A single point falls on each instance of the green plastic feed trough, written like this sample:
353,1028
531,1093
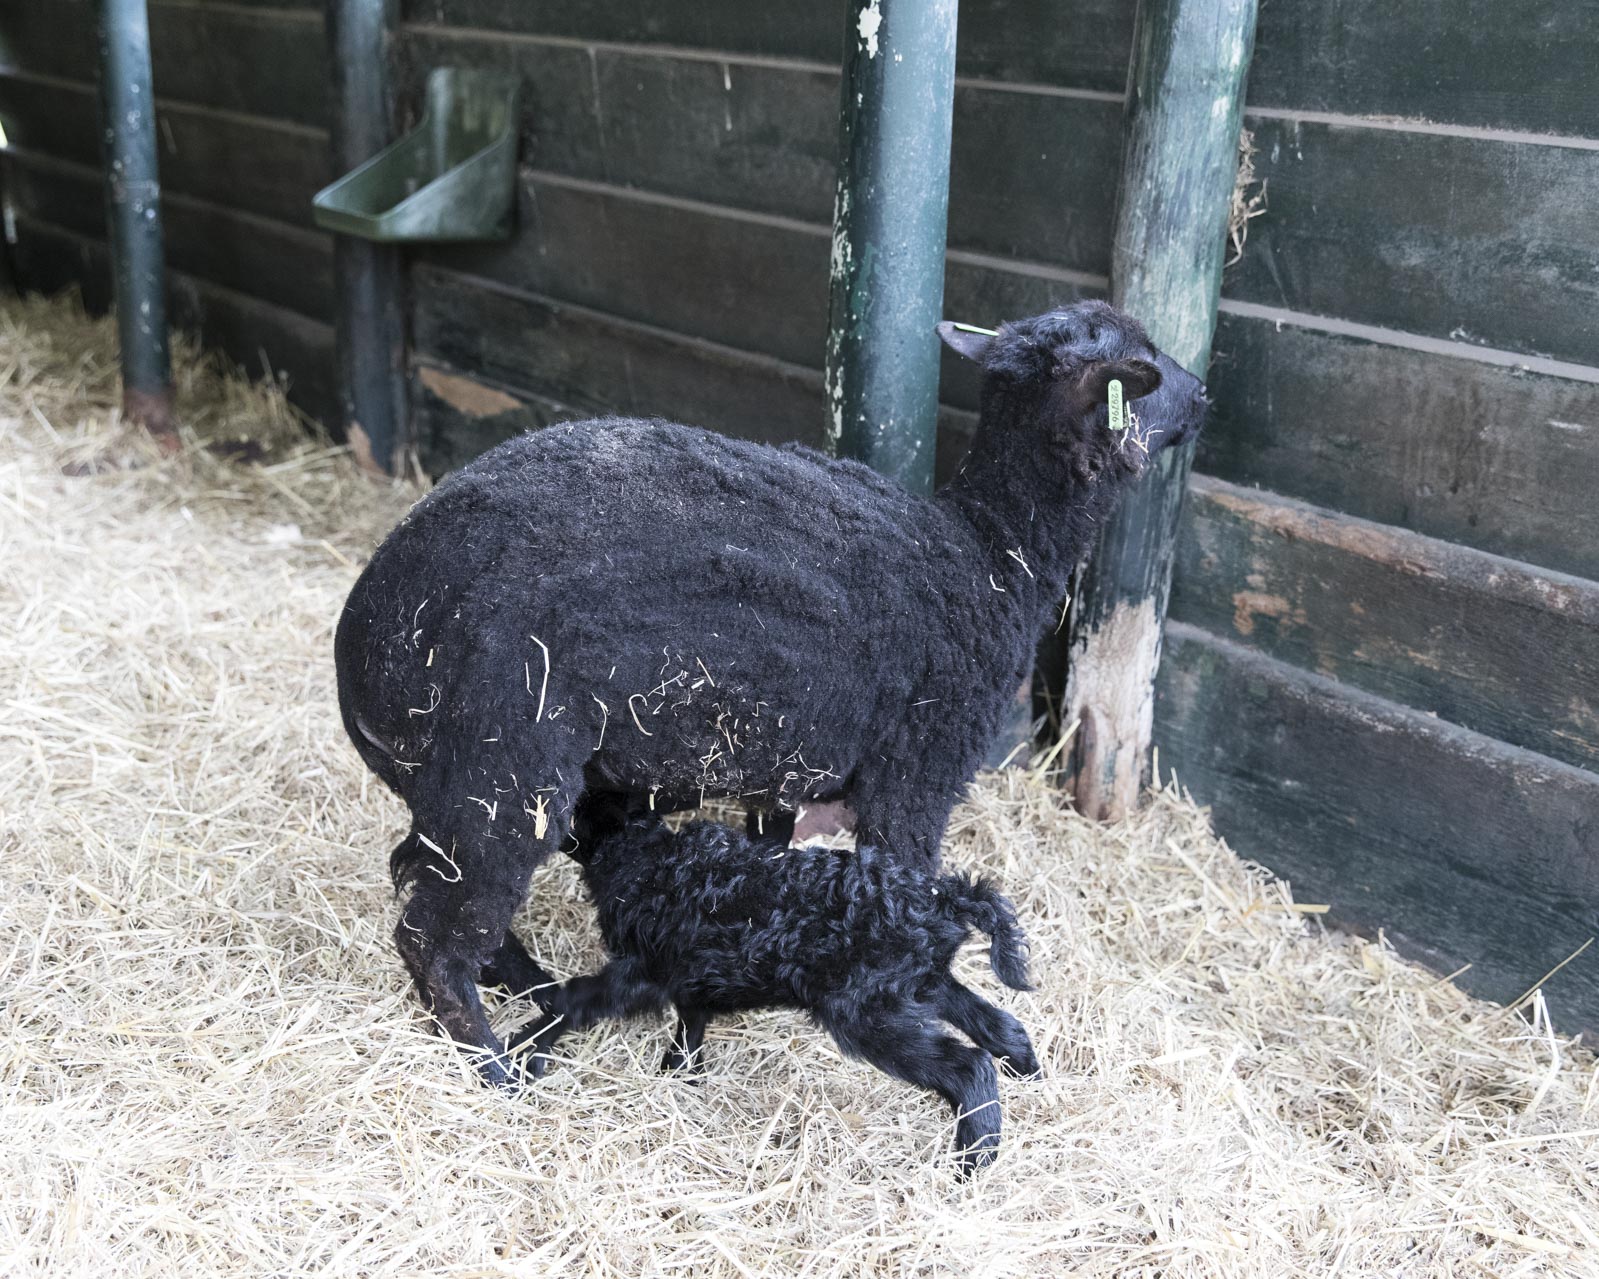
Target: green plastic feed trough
453,177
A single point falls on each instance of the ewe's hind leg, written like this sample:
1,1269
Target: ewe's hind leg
465,889
992,1029
906,1042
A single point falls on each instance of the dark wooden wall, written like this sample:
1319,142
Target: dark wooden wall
1383,668
242,96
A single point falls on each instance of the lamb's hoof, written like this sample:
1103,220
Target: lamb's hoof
530,1047
1022,1066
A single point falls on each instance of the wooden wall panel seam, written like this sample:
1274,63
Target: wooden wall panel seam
96,244
309,238
1430,128
309,14
753,359
681,53
1403,340
251,119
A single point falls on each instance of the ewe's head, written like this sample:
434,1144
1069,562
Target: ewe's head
1050,378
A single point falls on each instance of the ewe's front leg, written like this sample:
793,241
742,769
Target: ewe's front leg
909,824
464,892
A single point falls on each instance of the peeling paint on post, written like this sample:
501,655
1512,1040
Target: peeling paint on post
133,198
1180,148
370,324
890,217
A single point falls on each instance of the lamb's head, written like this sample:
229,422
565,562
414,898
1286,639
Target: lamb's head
1046,383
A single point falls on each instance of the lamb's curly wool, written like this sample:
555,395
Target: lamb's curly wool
713,921
643,607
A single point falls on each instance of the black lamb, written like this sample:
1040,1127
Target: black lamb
640,607
712,921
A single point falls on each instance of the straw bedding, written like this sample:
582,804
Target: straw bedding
209,1063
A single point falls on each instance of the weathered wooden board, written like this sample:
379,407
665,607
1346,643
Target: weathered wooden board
596,363
262,61
1472,452
47,259
1488,241
1081,45
260,166
1461,849
1471,62
587,363
1483,642
756,284
457,416
1033,174
285,265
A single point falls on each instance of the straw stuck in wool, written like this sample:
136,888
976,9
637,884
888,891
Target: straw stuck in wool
211,1064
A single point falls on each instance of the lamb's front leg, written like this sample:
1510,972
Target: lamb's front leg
620,989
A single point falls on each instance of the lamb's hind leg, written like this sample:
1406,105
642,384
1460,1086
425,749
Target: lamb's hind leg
465,889
906,1042
992,1029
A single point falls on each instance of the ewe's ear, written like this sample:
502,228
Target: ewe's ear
966,340
1138,379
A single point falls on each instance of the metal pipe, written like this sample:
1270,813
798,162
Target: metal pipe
133,198
1180,159
890,219
368,279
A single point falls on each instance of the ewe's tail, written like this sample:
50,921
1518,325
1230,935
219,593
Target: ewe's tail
978,904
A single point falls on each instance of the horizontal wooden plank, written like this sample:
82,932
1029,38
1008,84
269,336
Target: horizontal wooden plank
1082,45
1492,645
242,162
250,332
285,265
1470,452
1034,175
599,364
587,363
457,416
756,283
1488,241
1461,849
1456,61
263,61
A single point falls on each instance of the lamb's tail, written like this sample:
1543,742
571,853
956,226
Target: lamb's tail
978,904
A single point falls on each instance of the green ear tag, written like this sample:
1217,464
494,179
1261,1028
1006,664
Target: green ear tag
972,328
1118,416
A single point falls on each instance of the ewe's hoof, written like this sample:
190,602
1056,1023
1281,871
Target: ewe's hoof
976,1146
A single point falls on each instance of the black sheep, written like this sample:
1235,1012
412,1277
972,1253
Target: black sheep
636,606
713,921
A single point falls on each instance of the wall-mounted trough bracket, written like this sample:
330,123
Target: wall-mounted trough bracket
453,177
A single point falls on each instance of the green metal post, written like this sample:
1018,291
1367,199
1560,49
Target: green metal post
369,319
890,218
1180,155
133,199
